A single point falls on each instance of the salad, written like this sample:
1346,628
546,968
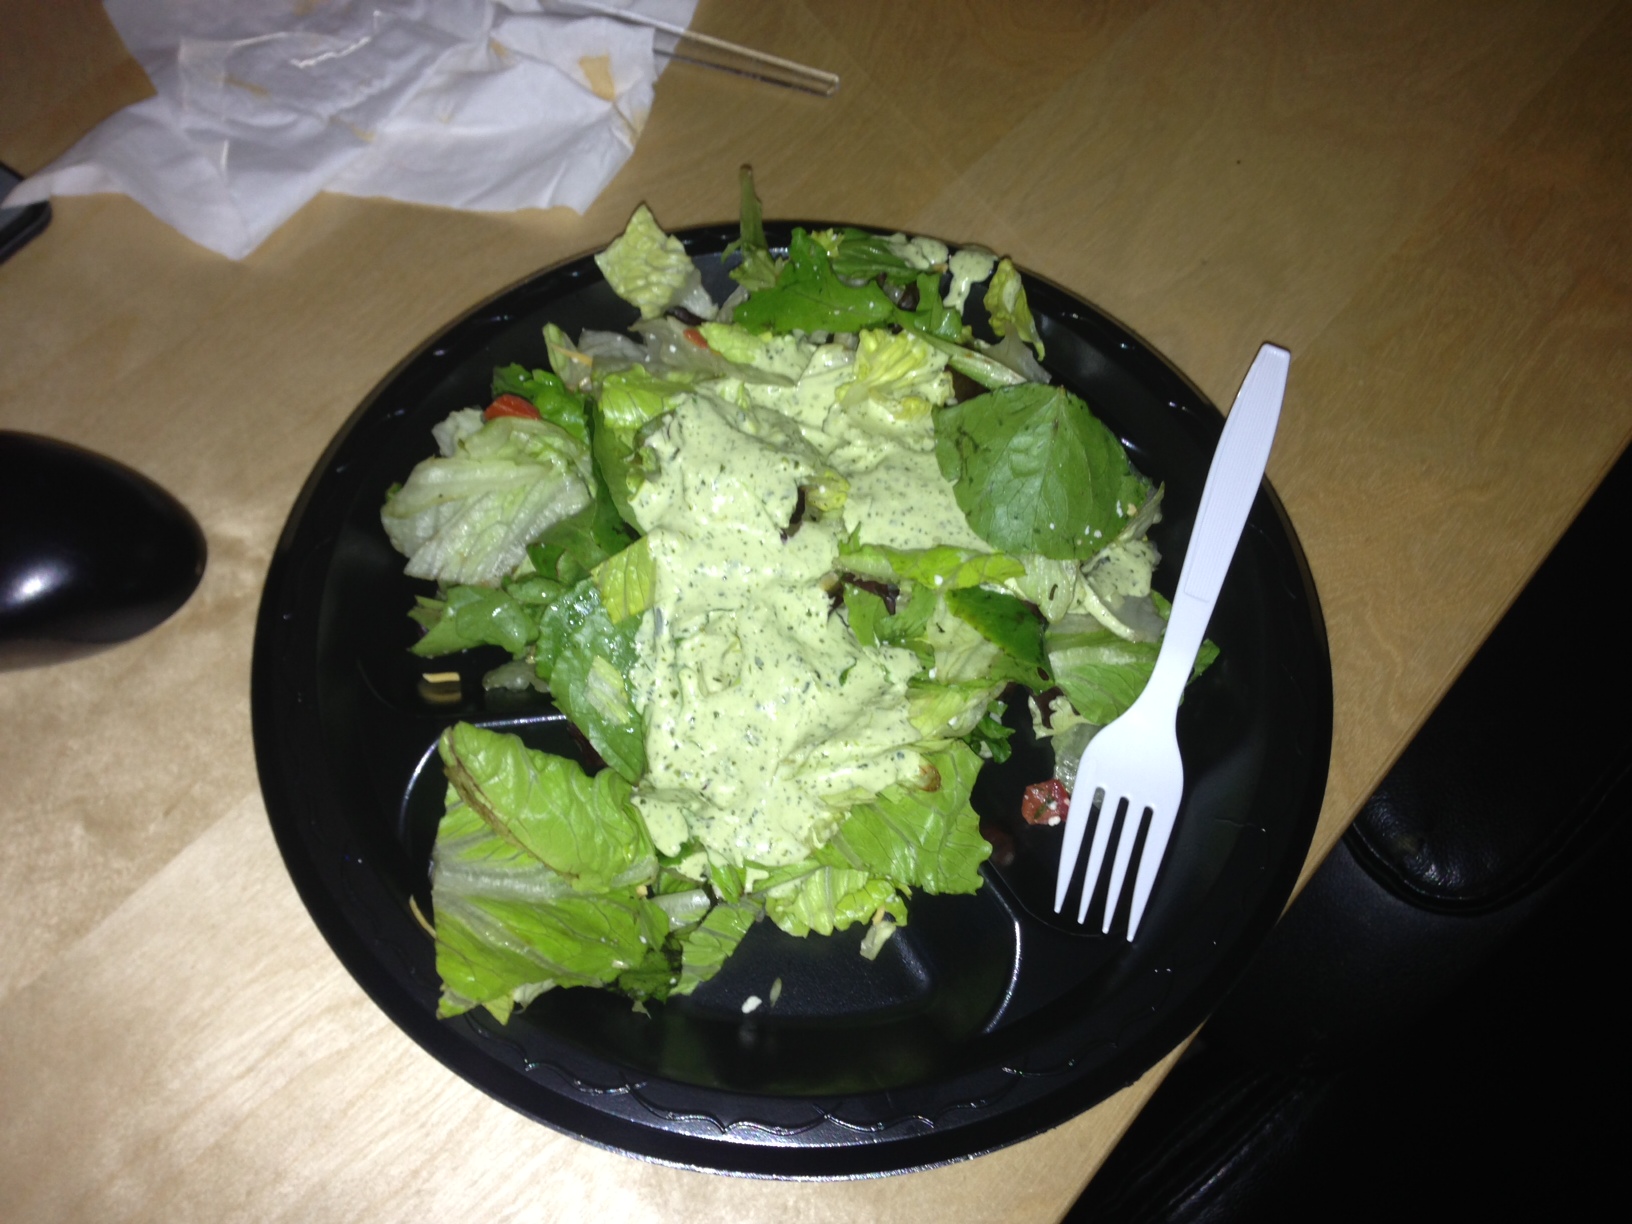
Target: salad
780,560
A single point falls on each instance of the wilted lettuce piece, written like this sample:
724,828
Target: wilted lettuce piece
585,658
810,896
1006,304
808,297
584,828
922,839
704,948
1116,591
650,269
756,270
546,392
473,616
467,517
942,568
1035,472
626,581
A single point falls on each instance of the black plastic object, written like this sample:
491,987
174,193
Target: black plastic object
91,552
1432,1030
20,223
986,1019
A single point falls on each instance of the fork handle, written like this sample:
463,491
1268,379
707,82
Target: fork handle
1232,483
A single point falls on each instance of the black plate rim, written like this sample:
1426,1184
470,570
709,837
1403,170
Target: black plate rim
323,885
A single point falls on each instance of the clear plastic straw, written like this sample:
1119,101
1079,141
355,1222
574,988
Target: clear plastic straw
705,49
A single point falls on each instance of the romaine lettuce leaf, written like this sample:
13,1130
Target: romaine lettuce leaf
509,927
812,896
1035,472
1006,304
650,270
898,366
583,828
950,711
467,518
942,568
473,616
585,659
626,581
922,839
705,947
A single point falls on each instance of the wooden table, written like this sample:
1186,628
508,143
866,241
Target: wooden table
1427,203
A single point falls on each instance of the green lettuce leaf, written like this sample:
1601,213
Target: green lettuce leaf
950,711
467,516
650,270
863,256
705,947
922,839
932,316
629,400
1035,472
942,568
1006,304
583,828
1010,624
626,582
473,616
585,658
809,297
811,896
508,927
756,269
546,392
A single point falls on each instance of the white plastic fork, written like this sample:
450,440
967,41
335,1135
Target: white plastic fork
1136,757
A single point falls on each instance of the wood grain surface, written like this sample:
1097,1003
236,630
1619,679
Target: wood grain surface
1427,203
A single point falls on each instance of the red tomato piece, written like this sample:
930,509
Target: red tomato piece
1045,803
696,337
510,406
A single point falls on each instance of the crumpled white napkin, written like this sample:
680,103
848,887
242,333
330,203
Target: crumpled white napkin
260,104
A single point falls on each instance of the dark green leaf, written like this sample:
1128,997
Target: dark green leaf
809,297
1035,472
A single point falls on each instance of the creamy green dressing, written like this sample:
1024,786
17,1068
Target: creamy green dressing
765,719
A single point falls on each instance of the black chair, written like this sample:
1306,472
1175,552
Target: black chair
1432,1030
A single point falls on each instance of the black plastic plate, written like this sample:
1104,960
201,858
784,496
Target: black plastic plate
984,1021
